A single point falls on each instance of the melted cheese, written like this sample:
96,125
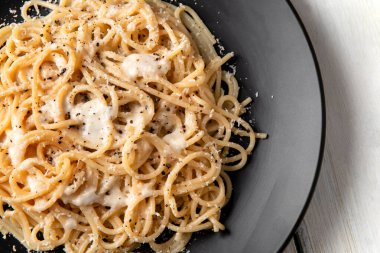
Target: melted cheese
95,117
112,11
14,141
135,118
60,62
83,195
145,190
86,197
50,110
107,183
36,183
40,204
79,179
110,193
144,65
176,140
115,198
70,223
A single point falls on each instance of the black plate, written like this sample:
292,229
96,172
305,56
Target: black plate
274,57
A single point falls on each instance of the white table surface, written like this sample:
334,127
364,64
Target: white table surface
344,215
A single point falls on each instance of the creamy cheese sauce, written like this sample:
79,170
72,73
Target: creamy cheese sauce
111,192
145,190
95,117
86,195
115,198
40,204
144,65
14,141
176,140
50,110
112,11
35,183
70,223
79,179
135,118
60,62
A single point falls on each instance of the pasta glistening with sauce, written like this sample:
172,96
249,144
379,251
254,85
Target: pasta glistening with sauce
117,124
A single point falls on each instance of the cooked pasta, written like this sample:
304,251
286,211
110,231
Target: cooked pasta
117,124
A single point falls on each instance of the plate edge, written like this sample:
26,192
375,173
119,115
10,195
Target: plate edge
323,130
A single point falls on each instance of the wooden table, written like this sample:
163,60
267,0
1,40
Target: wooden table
344,215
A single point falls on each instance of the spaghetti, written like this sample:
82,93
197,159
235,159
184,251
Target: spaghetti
115,126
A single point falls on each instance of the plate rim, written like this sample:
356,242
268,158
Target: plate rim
292,233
